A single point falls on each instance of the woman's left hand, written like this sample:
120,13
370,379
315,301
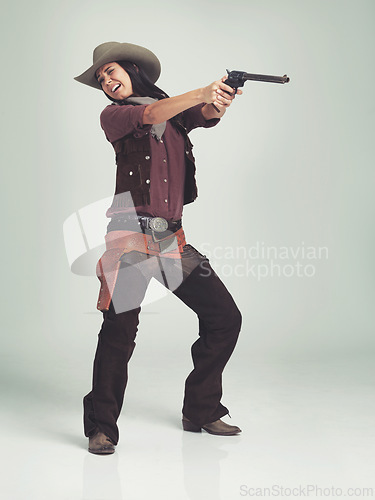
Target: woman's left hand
224,94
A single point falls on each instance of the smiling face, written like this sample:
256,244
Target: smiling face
115,81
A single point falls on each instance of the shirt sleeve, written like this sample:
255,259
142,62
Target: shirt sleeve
119,121
193,118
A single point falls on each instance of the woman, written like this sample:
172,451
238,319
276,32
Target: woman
155,178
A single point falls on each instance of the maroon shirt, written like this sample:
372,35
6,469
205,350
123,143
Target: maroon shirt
167,156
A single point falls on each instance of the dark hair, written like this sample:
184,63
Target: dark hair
143,86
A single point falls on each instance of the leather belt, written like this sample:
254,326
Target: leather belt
128,241
154,224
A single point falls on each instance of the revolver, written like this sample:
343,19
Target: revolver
238,78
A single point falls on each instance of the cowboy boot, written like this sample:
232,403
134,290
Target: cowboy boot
100,444
219,428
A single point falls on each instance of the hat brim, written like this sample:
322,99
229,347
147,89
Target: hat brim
141,56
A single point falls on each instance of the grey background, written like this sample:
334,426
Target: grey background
289,165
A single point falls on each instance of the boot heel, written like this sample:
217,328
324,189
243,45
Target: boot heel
189,426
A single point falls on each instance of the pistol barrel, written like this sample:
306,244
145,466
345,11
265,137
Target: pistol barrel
266,78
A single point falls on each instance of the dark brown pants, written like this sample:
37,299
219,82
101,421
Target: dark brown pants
219,325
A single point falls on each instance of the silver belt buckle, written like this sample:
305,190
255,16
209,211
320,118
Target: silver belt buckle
158,224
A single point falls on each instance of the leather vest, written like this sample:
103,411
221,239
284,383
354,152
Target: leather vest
133,160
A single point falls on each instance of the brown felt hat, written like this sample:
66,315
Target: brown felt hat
114,51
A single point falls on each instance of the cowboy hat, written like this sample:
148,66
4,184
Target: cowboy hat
114,51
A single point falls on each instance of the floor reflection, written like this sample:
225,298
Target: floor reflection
201,455
101,479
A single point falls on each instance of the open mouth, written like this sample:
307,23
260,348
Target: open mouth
115,87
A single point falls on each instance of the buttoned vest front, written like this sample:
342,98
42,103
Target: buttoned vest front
133,161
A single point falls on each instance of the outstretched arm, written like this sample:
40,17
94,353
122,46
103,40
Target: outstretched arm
214,93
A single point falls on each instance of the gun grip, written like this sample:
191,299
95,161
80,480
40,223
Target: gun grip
228,82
